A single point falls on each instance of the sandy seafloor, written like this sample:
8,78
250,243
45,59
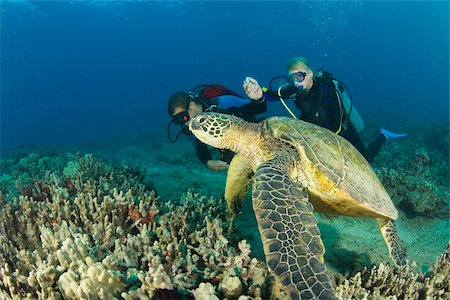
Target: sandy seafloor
350,243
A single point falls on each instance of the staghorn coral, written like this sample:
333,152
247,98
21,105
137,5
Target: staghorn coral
205,291
30,174
90,280
385,282
87,240
98,236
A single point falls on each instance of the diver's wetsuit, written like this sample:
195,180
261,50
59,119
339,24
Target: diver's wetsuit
232,105
321,106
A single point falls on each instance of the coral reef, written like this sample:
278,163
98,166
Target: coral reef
385,282
415,171
85,229
87,240
414,188
29,174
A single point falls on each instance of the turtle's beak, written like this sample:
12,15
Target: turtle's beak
193,125
199,127
198,122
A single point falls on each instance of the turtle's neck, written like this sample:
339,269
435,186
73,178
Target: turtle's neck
246,141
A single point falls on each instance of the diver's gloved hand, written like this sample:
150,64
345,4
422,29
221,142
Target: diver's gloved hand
391,135
217,165
252,89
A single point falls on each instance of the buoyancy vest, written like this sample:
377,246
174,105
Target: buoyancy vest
204,93
219,98
321,100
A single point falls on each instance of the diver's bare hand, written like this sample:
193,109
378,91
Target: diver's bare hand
217,165
252,88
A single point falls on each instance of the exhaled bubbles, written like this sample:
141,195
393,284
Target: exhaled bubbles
329,18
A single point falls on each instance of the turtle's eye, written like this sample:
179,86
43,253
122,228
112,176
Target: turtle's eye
201,120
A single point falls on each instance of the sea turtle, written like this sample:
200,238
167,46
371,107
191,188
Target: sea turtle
298,167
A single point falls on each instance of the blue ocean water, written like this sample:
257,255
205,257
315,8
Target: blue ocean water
74,71
95,77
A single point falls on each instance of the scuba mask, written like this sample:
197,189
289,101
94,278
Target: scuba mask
297,78
182,119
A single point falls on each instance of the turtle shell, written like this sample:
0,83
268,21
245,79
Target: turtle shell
339,178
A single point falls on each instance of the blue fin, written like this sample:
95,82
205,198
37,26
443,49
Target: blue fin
391,135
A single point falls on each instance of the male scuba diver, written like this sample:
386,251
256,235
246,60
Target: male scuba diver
322,100
183,106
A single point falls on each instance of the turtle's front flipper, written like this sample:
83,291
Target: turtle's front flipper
392,239
238,182
289,232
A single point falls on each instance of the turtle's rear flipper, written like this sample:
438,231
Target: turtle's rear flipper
238,182
289,232
395,246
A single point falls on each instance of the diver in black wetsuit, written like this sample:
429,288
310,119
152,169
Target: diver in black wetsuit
322,100
183,106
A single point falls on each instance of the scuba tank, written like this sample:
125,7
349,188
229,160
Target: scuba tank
347,102
345,97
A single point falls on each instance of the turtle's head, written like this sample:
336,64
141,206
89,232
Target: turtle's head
215,129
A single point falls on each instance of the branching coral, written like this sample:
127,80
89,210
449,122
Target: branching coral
383,281
415,187
103,235
415,170
88,240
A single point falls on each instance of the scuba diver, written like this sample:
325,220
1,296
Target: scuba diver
183,106
322,100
